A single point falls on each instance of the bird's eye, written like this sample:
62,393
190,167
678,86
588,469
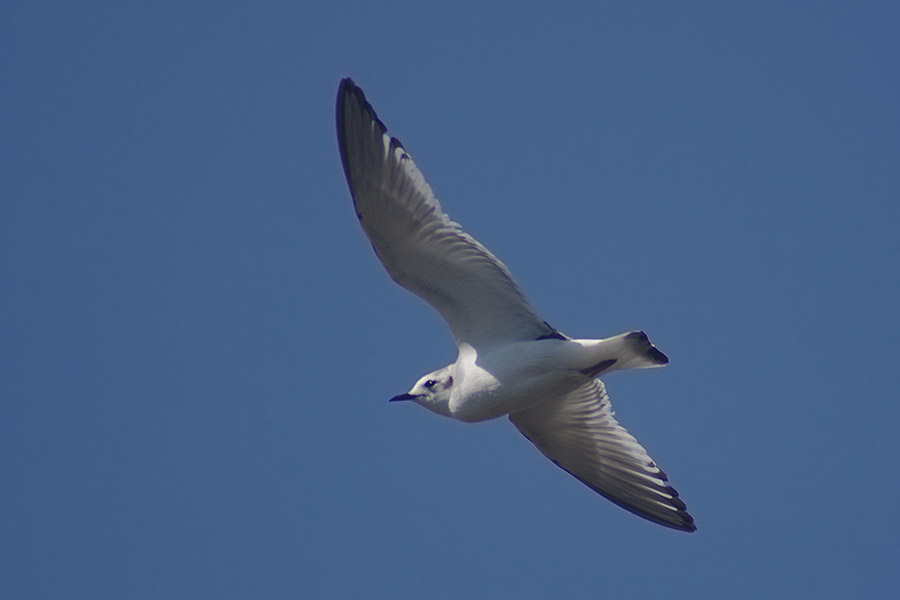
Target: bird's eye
430,383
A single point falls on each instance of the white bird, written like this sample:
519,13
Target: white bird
511,362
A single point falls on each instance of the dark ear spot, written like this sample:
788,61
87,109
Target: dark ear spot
449,381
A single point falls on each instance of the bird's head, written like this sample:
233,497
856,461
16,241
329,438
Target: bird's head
432,391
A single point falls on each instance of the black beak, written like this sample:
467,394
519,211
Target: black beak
402,397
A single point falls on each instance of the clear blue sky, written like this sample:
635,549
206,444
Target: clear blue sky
198,343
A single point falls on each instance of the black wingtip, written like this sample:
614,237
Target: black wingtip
355,116
348,87
346,83
345,90
687,522
349,92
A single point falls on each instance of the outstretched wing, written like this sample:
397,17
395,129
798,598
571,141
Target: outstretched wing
421,248
579,434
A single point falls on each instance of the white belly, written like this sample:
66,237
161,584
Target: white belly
510,379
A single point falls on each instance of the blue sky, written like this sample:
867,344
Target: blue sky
198,343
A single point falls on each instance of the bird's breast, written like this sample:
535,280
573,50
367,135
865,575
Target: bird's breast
508,380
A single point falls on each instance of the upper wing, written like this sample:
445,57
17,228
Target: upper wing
421,248
579,434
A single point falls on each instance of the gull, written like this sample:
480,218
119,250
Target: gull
511,362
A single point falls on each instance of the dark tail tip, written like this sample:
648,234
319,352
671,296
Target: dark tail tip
657,355
642,344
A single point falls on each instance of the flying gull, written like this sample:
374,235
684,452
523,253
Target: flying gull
510,362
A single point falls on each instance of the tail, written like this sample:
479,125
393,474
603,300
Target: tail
630,351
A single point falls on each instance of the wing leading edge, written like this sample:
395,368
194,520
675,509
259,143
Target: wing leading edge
421,248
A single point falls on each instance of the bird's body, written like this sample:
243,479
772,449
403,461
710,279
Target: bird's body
509,378
510,362
520,375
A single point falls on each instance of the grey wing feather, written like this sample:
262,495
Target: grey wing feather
579,433
421,248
